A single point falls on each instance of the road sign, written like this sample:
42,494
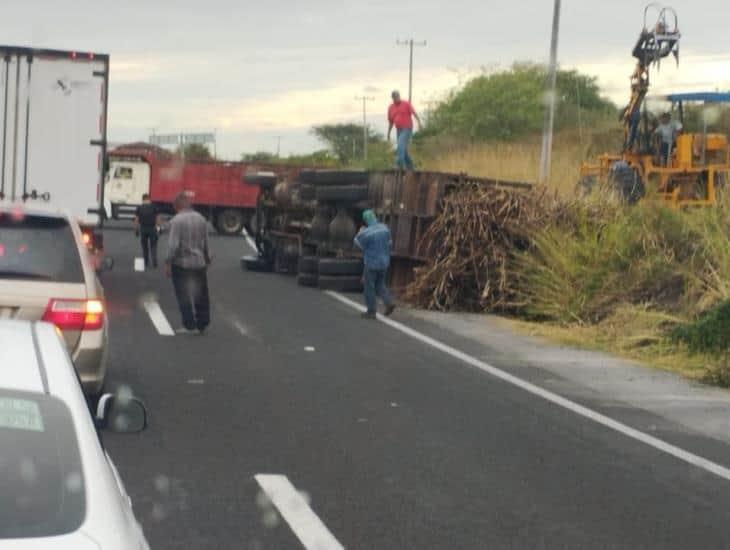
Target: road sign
198,138
165,139
177,139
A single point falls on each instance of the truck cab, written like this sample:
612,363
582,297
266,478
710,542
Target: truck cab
128,180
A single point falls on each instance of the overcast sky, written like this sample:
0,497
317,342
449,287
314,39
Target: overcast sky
254,70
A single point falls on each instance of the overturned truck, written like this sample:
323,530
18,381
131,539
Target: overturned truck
304,225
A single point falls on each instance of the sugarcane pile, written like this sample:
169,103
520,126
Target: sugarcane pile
471,246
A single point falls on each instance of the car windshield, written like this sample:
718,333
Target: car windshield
41,480
38,248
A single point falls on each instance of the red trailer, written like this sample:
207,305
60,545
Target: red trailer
224,192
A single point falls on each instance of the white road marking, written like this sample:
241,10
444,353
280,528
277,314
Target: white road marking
309,348
158,318
309,529
196,381
139,264
249,240
585,412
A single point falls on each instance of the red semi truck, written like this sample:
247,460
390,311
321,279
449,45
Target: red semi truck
224,192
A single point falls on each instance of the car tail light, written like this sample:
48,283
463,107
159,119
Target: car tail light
86,237
75,314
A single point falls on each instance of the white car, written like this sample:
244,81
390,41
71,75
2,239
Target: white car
58,487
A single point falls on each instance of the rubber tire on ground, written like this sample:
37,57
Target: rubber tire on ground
307,279
256,263
334,177
585,185
307,192
626,182
340,266
229,222
348,283
308,264
342,193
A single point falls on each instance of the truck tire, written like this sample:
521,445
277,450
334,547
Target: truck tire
307,279
308,264
339,283
256,263
585,185
626,182
340,266
307,192
334,177
229,222
342,193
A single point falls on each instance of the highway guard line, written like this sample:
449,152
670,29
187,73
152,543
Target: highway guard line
597,417
305,524
249,240
158,318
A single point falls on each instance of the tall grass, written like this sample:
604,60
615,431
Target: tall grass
520,161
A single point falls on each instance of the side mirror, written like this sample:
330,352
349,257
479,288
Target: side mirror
107,264
121,414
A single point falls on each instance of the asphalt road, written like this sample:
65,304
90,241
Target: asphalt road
395,444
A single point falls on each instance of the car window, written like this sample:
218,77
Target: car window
41,481
123,172
38,247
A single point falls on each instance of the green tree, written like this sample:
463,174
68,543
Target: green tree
345,141
195,151
510,104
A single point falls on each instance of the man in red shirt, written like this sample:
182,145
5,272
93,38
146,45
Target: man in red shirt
399,115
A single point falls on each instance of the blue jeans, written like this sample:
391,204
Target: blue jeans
375,287
402,158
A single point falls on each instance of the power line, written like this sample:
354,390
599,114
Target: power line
365,99
410,43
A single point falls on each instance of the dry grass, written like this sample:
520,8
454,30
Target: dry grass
513,161
521,161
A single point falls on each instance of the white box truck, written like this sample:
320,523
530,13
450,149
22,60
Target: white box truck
53,121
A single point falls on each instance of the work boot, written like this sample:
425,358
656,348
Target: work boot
368,315
389,310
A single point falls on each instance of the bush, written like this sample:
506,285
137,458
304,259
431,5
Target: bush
710,333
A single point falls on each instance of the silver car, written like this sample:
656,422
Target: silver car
60,489
46,273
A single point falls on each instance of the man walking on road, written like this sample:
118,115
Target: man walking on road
375,242
188,258
400,115
146,221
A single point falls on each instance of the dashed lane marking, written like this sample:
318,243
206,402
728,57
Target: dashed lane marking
309,529
554,398
158,318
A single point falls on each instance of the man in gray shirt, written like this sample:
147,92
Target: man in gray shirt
188,258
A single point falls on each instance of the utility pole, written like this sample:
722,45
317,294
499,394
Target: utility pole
365,99
547,133
410,43
278,145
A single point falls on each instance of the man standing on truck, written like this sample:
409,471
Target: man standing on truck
400,115
188,258
375,242
146,222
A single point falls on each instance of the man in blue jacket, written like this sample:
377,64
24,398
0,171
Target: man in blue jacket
375,242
